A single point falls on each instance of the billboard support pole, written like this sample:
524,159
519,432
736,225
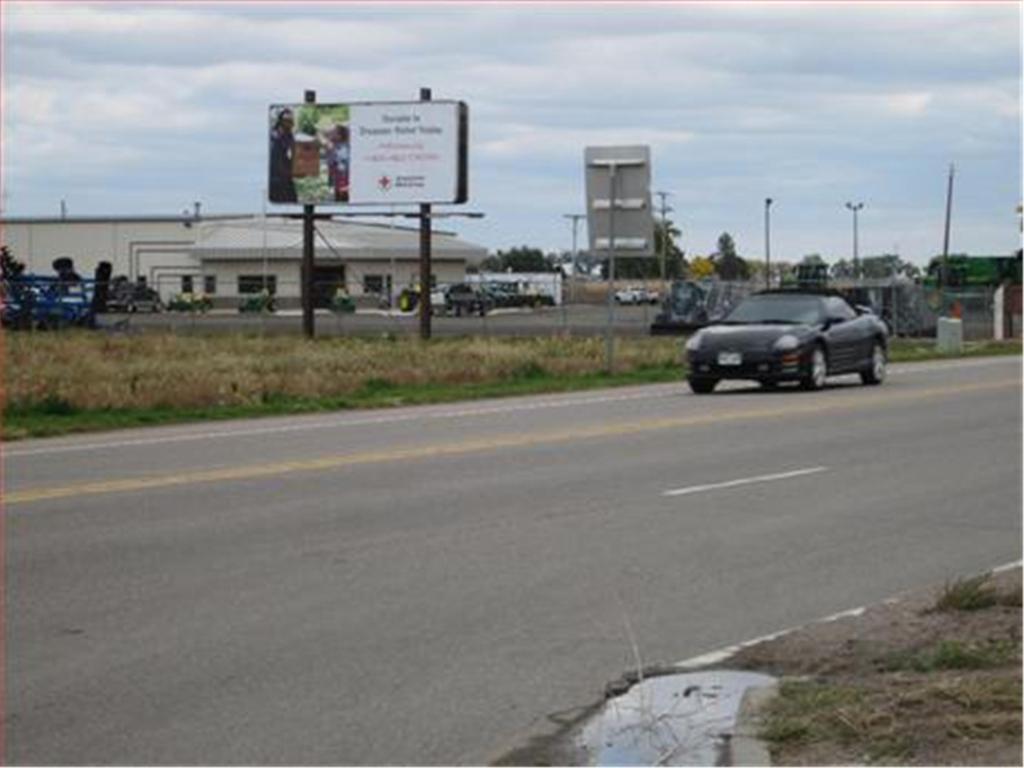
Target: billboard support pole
425,270
609,343
308,214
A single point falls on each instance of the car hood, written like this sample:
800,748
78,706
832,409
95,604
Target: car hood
749,337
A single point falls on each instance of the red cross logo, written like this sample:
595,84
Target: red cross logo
384,182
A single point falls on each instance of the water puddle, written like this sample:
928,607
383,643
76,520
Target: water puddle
680,720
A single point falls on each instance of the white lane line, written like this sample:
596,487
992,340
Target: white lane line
743,481
335,423
726,653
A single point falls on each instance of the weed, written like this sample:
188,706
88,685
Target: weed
970,594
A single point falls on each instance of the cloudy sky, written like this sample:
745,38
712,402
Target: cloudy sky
142,108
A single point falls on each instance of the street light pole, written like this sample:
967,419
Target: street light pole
855,207
575,218
945,237
767,243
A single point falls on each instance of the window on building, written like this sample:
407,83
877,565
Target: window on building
373,283
255,284
186,283
209,283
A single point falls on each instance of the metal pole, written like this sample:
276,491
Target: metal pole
609,347
425,243
308,327
856,263
856,252
767,243
391,279
575,218
945,239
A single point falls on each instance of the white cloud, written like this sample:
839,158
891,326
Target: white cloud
805,102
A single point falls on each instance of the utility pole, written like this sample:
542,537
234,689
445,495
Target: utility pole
945,238
308,213
855,207
665,210
575,218
425,287
767,243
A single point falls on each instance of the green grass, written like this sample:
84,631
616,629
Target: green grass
913,350
57,384
804,711
951,654
883,720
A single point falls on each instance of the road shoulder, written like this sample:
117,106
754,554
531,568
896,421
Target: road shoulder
928,678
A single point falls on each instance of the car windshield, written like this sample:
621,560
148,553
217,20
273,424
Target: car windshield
777,309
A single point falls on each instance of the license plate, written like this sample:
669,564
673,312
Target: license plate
730,358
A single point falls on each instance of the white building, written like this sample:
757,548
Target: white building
227,256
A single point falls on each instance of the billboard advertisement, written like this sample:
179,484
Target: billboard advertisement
369,153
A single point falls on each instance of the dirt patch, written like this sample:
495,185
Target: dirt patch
930,678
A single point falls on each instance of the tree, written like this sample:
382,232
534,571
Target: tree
842,270
728,264
887,265
726,246
520,259
675,258
10,267
812,260
701,268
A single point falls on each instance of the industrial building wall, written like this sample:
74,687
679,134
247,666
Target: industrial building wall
229,277
134,248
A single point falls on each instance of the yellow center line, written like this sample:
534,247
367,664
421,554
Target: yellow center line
253,471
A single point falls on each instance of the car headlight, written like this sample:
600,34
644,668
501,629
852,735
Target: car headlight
786,343
693,343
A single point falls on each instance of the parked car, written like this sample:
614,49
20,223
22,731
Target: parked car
463,298
126,296
778,336
635,295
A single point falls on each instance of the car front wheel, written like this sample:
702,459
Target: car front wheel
702,386
876,373
817,370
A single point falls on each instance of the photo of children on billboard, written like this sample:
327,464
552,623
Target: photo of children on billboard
309,153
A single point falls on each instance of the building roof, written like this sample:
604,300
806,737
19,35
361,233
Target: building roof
183,218
281,238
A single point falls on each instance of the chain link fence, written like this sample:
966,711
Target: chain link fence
579,307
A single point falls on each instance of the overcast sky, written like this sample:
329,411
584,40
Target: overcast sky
126,108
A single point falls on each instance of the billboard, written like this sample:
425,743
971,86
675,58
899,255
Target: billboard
369,153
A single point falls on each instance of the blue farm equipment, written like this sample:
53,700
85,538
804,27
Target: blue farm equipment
36,301
44,302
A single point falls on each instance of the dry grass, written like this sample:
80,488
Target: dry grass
92,371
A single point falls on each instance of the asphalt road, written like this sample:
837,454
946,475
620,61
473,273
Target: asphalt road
424,585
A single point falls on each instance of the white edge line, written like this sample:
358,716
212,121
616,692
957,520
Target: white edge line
355,422
723,654
743,481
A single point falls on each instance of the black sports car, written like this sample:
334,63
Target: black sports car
799,336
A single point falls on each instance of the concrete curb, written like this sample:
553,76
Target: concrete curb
745,747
